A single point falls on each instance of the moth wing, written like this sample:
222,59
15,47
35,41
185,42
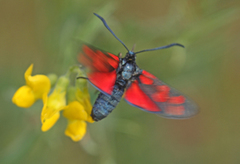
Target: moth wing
102,68
151,95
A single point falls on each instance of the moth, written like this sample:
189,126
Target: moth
115,75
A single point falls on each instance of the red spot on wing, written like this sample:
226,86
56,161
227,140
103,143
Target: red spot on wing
100,54
113,63
148,74
103,80
160,96
175,110
107,60
114,57
137,97
177,100
163,88
88,51
99,62
145,80
99,65
84,60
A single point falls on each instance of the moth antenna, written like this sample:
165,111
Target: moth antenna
105,24
158,48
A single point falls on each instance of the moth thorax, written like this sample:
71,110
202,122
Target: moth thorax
128,70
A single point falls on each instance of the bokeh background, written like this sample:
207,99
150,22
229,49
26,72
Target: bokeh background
48,33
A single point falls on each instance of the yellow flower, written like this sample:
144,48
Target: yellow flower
76,129
34,89
82,94
77,112
48,123
54,104
76,116
83,97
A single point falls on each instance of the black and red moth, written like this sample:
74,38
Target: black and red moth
113,75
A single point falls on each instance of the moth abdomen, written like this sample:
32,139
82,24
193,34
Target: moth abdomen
104,104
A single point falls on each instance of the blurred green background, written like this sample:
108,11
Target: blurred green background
48,33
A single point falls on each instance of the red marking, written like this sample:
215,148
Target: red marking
114,57
100,65
84,60
98,61
145,80
137,97
148,74
175,110
100,54
163,88
160,96
162,93
113,63
177,100
89,51
103,81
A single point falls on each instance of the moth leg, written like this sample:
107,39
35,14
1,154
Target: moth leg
82,78
137,72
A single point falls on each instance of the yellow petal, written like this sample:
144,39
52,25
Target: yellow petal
24,97
90,119
88,106
75,110
48,123
28,72
38,83
57,99
76,129
84,98
53,104
34,89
